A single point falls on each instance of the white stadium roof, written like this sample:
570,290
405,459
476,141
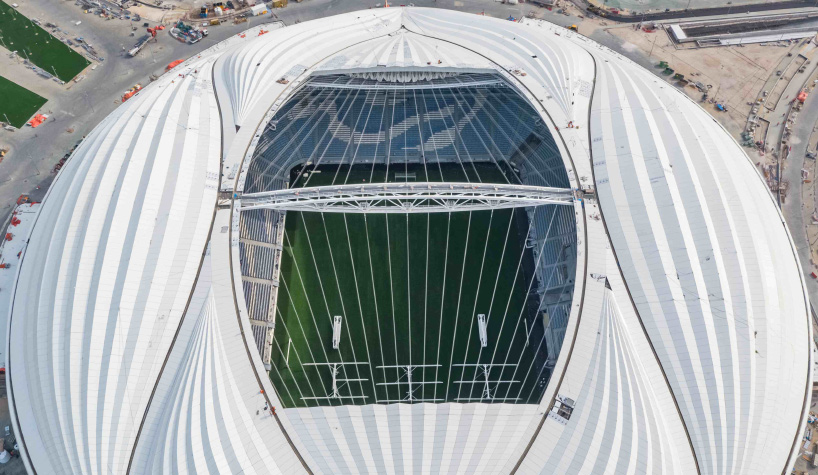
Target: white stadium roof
130,348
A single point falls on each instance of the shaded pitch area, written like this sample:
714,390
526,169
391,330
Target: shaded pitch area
409,289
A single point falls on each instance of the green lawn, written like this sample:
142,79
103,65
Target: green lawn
18,103
18,33
409,288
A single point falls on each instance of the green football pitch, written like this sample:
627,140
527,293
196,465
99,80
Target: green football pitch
409,289
18,33
18,104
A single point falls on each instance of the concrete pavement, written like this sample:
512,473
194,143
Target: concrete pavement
799,206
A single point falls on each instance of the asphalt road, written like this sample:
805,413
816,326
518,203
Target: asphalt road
793,205
34,152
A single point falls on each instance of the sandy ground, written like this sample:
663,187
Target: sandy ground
157,15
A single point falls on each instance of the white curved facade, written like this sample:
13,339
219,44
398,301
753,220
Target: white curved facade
687,349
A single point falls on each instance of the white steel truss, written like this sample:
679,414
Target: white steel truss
424,197
407,380
488,393
334,392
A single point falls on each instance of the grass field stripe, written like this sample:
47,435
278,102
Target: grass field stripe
409,294
426,296
360,307
312,123
309,304
446,257
442,297
374,297
408,259
392,299
491,303
341,298
539,306
324,294
457,312
528,291
553,271
422,118
479,283
301,327
428,218
389,246
289,335
426,263
281,377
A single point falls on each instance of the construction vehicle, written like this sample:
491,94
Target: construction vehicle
144,40
574,28
130,92
185,33
241,19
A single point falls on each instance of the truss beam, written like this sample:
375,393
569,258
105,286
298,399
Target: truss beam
422,197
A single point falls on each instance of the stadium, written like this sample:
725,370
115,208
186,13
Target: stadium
409,240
